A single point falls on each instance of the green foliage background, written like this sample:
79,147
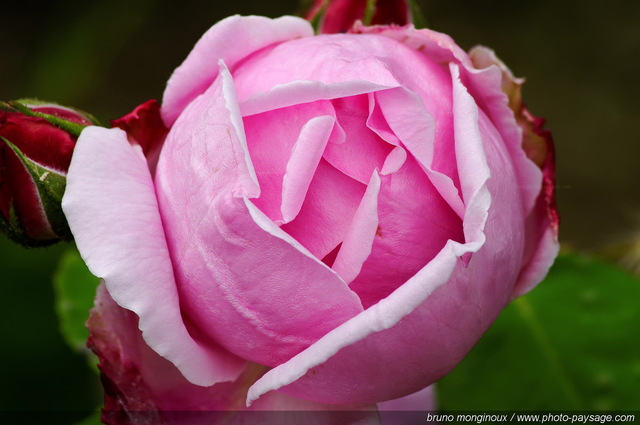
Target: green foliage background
580,59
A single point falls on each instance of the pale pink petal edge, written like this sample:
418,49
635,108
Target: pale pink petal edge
231,40
112,210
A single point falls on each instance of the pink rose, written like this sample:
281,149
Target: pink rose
333,219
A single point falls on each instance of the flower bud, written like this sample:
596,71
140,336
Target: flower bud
36,144
334,16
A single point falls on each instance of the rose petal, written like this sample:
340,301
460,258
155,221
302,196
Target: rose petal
412,126
408,410
394,161
486,85
198,71
145,127
420,401
414,223
368,371
267,310
433,325
330,60
271,137
127,248
363,150
330,203
41,142
301,92
144,387
305,156
356,246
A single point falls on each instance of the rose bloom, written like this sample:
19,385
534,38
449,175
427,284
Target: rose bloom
333,220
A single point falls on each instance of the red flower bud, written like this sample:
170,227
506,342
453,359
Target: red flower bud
36,144
336,16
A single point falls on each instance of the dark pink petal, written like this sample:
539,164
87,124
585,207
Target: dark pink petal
43,143
19,192
391,12
340,15
543,221
145,127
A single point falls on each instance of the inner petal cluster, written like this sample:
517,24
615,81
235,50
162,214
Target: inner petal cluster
336,177
351,138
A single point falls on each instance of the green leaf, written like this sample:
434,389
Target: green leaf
93,419
572,343
75,288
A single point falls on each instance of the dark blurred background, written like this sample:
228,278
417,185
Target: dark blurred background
580,58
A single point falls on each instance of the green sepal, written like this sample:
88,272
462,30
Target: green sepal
68,126
51,186
30,103
12,229
369,10
419,21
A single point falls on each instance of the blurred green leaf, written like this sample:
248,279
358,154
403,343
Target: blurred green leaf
572,343
94,419
75,288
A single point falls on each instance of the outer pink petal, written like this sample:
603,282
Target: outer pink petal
356,361
145,388
329,60
112,210
419,332
231,40
488,86
243,282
